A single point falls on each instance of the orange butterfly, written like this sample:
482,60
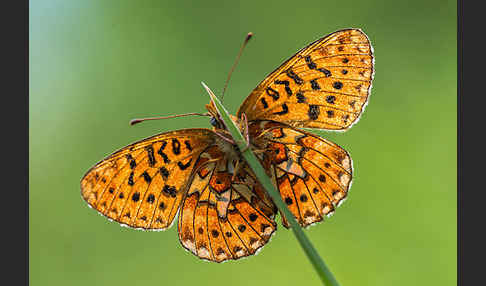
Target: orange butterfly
224,213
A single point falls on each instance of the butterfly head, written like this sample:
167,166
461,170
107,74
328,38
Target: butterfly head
216,120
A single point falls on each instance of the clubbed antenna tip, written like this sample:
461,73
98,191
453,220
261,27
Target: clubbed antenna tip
248,37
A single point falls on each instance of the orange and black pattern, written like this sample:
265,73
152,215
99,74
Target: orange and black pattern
312,174
325,85
199,174
225,216
142,184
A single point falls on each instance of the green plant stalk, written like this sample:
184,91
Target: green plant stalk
324,274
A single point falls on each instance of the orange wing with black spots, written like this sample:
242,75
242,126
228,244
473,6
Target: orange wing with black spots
142,185
312,174
225,216
224,212
325,85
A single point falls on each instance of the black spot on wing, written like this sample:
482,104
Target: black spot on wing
264,102
151,199
330,99
136,197
310,63
146,177
162,154
273,93
169,191
183,166
315,85
130,179
300,97
285,110
313,112
176,146
337,85
164,172
130,159
188,145
286,84
326,72
295,77
150,154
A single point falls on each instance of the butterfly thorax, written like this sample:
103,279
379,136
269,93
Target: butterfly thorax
221,129
226,141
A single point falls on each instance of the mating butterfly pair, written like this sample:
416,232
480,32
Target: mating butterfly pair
224,213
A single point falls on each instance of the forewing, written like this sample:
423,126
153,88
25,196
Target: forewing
225,217
142,185
312,174
325,85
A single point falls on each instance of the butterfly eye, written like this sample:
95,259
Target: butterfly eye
214,122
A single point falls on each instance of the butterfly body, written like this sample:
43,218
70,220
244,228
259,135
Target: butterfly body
223,211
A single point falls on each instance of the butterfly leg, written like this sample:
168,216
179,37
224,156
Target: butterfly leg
225,138
236,170
263,133
259,151
245,132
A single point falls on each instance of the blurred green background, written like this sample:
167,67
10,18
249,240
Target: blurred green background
94,65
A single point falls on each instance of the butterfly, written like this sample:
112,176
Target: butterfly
223,211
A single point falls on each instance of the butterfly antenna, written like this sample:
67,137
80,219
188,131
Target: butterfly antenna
248,37
138,120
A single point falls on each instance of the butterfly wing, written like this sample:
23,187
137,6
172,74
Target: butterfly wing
223,216
325,85
142,185
312,174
